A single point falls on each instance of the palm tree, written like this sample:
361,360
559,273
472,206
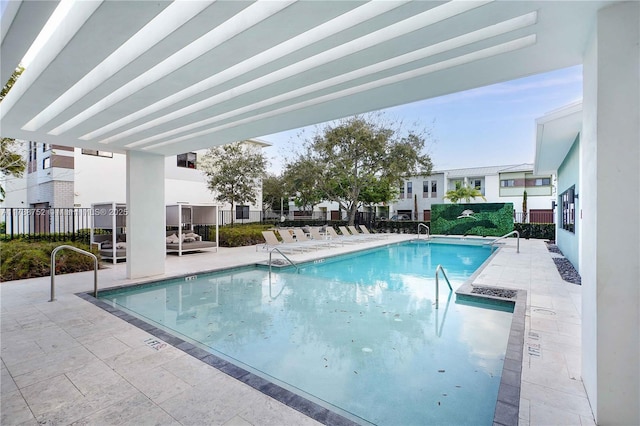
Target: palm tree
463,192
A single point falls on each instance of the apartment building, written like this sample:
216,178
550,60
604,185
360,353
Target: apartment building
498,184
64,177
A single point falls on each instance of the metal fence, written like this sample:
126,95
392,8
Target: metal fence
47,224
534,217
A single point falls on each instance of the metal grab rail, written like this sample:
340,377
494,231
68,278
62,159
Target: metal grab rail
427,228
505,236
53,269
283,255
439,269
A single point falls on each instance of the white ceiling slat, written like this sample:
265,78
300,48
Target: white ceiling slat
164,89
167,21
77,16
238,23
340,23
447,45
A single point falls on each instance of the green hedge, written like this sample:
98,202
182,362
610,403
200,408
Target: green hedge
20,259
240,235
543,231
488,219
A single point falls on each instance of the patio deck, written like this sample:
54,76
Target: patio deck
69,361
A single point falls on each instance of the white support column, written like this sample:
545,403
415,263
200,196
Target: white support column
610,208
146,247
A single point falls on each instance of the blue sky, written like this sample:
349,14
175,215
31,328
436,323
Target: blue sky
488,126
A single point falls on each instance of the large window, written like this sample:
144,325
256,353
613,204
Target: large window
187,160
542,182
402,190
242,212
106,154
434,190
425,189
568,206
409,189
506,183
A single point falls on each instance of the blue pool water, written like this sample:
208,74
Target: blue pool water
359,333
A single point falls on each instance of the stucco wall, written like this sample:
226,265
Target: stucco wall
569,175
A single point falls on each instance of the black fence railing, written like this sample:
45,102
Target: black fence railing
49,224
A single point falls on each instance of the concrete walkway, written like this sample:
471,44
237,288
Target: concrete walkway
70,362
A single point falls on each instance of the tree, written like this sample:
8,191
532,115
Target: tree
272,192
463,192
364,158
302,180
11,163
524,206
12,80
234,172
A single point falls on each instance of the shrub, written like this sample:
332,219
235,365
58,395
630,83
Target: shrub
543,231
21,259
240,235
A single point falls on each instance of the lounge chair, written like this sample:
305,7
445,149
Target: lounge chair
301,237
365,231
354,231
272,242
341,238
316,235
351,236
289,241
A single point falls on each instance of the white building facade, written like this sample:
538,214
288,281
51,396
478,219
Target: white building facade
498,184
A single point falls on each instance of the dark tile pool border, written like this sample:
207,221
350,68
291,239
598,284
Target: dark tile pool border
508,404
285,396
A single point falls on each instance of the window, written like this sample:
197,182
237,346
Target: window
568,206
425,189
434,189
187,160
242,212
402,190
505,183
543,182
46,163
46,147
409,188
105,154
33,149
477,183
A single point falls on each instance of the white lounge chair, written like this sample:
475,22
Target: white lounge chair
272,242
344,239
365,231
301,237
289,241
354,231
349,235
317,236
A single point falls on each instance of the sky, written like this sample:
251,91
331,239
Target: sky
488,126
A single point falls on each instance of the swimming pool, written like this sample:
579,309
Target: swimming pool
357,333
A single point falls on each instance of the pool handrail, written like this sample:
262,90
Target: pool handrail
283,255
505,236
428,231
53,269
440,269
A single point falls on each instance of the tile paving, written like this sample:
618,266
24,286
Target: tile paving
70,362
